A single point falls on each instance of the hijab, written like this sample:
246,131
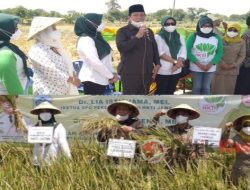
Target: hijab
204,20
172,39
8,26
237,38
87,26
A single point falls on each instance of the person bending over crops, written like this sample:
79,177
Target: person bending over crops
140,59
49,152
204,50
126,114
225,77
97,71
172,50
240,142
53,69
13,61
182,133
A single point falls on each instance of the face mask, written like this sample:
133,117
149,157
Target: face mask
121,118
16,35
180,119
137,24
45,116
170,28
206,30
246,130
100,27
232,34
55,35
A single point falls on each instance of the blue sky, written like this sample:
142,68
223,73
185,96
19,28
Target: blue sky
226,7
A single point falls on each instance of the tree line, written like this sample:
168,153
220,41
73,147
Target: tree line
115,14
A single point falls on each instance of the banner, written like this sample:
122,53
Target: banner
214,111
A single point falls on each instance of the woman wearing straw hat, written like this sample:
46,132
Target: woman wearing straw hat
126,114
97,71
49,152
53,69
241,143
183,132
13,65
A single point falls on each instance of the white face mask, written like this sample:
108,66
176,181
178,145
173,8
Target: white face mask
121,118
101,27
206,30
170,28
45,116
246,130
55,35
232,34
137,24
180,119
16,35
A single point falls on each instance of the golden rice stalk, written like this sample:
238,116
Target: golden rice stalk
18,116
99,123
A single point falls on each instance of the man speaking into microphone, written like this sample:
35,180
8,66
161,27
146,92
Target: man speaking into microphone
140,60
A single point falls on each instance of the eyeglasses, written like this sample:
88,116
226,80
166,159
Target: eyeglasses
172,24
232,30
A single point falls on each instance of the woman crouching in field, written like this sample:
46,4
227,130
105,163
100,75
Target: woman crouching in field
49,152
241,144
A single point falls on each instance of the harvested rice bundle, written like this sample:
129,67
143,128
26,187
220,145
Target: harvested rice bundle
9,106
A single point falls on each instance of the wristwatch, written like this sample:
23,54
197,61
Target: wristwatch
175,62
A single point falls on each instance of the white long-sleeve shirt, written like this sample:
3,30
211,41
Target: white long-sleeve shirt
166,67
49,152
93,69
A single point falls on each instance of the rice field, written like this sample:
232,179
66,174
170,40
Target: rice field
90,168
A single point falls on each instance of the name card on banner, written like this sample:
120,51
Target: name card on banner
121,148
40,134
207,135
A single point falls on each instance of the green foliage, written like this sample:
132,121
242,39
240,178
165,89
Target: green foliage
114,14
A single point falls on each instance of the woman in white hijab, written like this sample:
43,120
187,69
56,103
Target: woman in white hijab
53,69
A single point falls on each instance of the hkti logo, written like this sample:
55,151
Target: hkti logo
212,104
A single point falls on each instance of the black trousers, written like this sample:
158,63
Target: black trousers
91,88
166,84
242,86
136,84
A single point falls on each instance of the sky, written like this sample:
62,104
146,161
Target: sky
226,7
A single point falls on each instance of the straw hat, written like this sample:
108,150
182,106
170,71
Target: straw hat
183,107
112,107
238,122
45,105
40,23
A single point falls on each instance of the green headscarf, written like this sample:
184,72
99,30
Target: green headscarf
172,39
86,26
8,25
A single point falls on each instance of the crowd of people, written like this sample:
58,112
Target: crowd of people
182,152
218,61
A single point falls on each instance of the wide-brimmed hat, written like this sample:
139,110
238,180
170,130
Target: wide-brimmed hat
45,105
112,107
193,114
38,24
237,123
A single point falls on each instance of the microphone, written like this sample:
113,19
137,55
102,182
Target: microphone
147,31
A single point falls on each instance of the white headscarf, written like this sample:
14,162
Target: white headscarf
52,38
